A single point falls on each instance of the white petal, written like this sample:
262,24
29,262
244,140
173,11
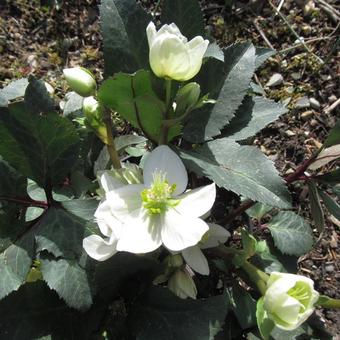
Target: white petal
288,310
197,202
172,29
165,160
194,257
125,200
98,248
151,33
181,231
140,234
108,182
197,47
216,235
105,220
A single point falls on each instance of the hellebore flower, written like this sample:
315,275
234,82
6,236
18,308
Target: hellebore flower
289,299
194,256
171,55
80,81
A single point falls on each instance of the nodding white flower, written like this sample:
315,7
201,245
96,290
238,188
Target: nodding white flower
172,55
194,256
80,81
144,216
289,299
182,284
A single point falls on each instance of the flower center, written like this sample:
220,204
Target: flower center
301,293
157,199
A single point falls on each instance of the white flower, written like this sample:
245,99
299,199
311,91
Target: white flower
289,299
182,284
171,55
194,256
80,81
143,216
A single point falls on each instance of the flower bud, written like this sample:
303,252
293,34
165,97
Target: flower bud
171,55
289,299
80,81
187,97
182,284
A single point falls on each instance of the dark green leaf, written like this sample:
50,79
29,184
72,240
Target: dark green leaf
187,15
135,101
13,90
240,67
332,206
38,313
258,210
43,148
241,169
262,54
83,208
292,234
214,51
331,178
37,98
123,24
252,116
69,280
160,315
122,142
243,305
11,182
15,263
264,324
315,206
333,137
60,233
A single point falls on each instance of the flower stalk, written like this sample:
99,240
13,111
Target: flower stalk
259,277
111,143
327,302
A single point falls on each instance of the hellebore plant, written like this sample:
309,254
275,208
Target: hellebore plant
138,218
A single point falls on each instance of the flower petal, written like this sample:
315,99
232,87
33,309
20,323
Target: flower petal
109,182
140,234
197,202
181,231
197,47
125,200
151,33
99,249
164,160
216,236
106,221
194,257
288,310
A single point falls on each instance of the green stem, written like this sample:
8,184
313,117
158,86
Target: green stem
259,277
165,128
327,302
111,143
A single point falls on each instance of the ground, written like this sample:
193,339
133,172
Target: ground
36,38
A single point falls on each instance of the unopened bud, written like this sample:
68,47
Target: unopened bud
187,97
182,284
80,81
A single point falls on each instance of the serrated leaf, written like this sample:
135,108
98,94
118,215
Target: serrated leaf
13,90
11,182
123,25
240,67
73,103
83,208
38,313
252,116
37,98
262,54
333,137
332,206
15,263
214,51
331,178
160,315
258,210
60,233
291,233
43,148
241,169
135,101
122,142
315,206
69,280
187,15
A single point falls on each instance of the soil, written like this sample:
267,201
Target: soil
42,39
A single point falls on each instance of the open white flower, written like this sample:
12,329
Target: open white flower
171,55
289,299
194,256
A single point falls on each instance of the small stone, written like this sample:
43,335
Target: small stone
284,63
314,122
314,103
308,8
302,103
296,75
332,98
275,80
329,268
289,89
290,133
305,115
